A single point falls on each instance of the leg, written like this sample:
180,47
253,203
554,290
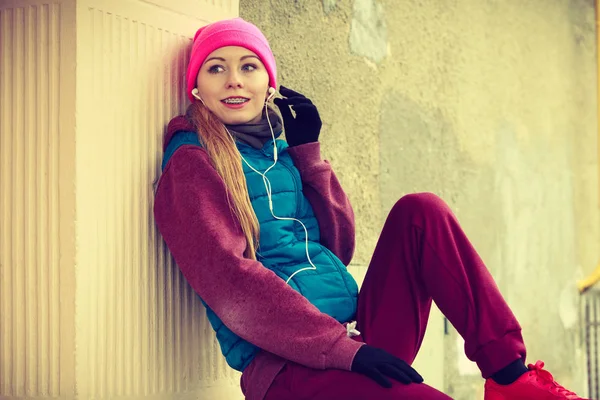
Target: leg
423,254
296,382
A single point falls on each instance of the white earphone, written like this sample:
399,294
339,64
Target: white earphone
267,183
196,95
272,91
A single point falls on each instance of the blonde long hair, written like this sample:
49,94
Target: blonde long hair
226,159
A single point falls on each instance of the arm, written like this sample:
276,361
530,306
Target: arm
330,203
193,216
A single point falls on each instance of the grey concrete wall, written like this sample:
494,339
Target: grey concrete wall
490,104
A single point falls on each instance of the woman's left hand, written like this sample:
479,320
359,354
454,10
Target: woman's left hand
306,127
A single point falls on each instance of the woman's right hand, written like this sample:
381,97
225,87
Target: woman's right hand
376,363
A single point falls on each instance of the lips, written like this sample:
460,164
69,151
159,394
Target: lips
235,100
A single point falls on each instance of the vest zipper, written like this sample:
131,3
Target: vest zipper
296,184
297,190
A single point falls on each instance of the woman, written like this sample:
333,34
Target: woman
262,231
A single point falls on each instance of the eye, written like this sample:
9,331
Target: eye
249,67
215,69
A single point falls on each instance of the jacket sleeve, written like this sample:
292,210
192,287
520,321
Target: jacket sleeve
193,216
329,201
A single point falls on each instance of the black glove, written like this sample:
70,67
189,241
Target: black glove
375,363
305,128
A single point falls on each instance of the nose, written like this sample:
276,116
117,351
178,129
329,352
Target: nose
234,80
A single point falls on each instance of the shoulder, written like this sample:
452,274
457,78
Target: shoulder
187,159
181,140
188,173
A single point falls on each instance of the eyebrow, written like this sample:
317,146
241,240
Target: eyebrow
222,59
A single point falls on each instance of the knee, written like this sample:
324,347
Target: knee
422,204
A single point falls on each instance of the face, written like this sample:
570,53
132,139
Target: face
233,84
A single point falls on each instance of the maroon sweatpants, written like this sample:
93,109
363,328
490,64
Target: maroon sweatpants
422,254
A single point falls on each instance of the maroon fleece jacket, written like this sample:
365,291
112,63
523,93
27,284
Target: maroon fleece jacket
207,243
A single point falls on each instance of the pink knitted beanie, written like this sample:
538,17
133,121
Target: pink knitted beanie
230,32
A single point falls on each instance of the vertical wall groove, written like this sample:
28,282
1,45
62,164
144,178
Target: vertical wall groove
144,219
29,214
42,155
5,202
30,186
17,212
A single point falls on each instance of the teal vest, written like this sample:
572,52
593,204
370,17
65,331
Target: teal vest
282,247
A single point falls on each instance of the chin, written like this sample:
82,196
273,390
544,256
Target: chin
238,119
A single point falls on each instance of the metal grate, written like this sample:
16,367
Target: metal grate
591,312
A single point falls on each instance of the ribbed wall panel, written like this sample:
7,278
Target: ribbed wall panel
138,330
30,331
141,330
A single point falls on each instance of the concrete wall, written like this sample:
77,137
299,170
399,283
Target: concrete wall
491,105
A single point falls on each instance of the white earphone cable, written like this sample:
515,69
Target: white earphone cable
267,184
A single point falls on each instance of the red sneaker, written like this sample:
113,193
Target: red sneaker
537,384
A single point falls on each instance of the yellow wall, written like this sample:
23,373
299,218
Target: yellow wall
37,204
91,304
